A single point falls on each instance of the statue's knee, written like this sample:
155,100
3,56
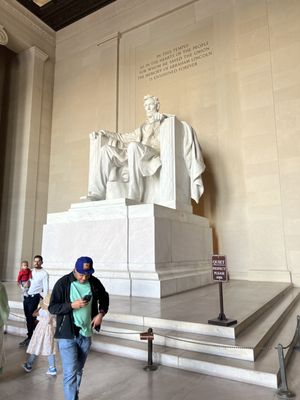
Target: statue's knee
133,149
105,149
133,146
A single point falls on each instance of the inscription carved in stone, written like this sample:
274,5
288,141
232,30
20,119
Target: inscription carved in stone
175,60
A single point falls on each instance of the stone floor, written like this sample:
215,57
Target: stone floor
114,378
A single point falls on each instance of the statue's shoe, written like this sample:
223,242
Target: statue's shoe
91,197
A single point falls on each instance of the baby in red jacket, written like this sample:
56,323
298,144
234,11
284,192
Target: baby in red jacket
24,277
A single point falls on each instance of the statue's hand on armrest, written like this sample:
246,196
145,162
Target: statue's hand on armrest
108,134
94,135
102,132
111,136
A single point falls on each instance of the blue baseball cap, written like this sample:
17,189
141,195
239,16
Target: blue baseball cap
84,266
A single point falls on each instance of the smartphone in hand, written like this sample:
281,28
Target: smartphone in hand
87,297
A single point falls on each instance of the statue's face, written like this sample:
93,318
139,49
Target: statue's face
150,106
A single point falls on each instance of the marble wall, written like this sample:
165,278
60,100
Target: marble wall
230,69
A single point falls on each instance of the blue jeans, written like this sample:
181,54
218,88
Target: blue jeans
31,359
73,354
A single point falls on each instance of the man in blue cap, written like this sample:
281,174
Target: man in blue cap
80,302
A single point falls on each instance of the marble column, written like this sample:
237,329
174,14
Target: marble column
22,159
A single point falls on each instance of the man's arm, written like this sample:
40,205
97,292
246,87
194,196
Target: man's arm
103,299
103,304
58,304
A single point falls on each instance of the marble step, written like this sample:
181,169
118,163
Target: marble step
197,327
177,340
246,347
267,305
16,314
186,326
266,325
171,339
16,328
188,360
263,372
222,367
283,335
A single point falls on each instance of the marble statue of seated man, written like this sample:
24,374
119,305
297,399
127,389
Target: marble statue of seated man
131,157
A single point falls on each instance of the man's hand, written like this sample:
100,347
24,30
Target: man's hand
36,312
97,320
79,303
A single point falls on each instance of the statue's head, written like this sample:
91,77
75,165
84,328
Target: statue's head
151,103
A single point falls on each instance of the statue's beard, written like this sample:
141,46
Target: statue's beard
154,116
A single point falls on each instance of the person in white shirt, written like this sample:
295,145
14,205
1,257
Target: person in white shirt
39,287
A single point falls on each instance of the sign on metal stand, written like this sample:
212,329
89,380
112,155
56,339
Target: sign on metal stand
149,336
220,274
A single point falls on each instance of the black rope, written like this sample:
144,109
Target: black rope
186,340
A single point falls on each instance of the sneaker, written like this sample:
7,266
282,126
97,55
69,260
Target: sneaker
51,371
25,343
27,367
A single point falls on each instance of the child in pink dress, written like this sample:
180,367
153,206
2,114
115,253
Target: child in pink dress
42,341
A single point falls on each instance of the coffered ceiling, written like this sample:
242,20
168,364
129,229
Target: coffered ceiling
60,13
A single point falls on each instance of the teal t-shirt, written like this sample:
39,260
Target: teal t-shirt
82,316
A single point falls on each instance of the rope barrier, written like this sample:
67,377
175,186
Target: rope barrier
172,338
178,339
18,315
123,333
284,347
191,341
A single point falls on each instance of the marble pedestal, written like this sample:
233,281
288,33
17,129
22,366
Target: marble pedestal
138,249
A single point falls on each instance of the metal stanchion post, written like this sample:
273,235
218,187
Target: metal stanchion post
150,337
283,392
297,345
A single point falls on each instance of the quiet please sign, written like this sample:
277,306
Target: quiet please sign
219,268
